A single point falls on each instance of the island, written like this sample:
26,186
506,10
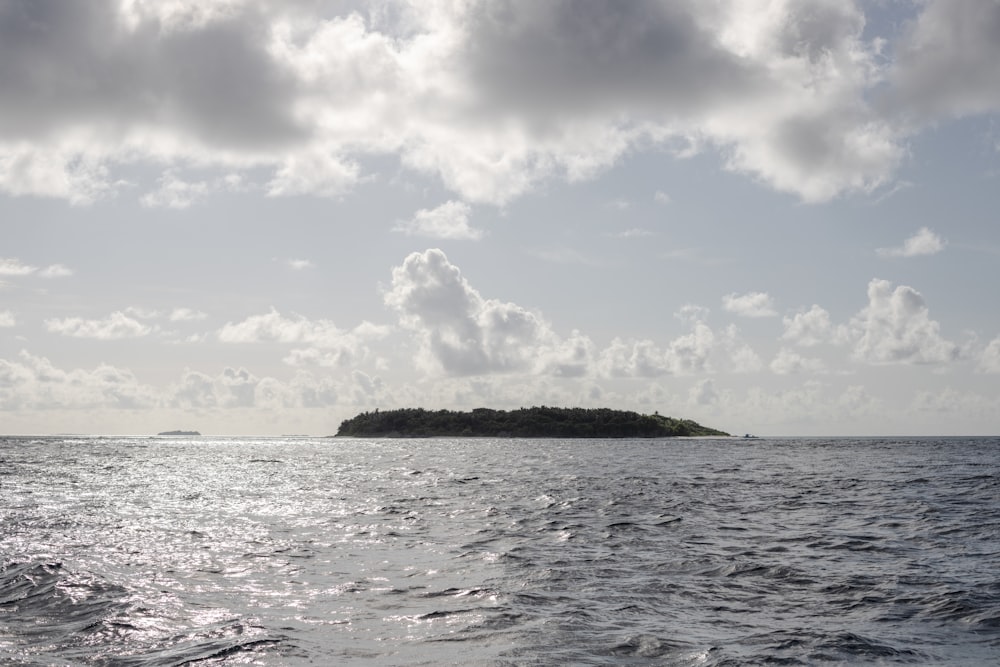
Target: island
535,422
179,433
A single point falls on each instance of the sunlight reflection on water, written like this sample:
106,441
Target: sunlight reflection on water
297,551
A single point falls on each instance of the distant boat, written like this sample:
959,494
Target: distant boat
179,433
747,435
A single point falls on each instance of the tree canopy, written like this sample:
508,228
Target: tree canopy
534,422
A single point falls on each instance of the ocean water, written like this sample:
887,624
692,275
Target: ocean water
204,551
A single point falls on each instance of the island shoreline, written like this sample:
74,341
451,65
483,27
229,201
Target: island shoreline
534,422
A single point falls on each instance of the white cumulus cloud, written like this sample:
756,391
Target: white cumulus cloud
238,388
687,354
448,221
327,344
463,334
809,328
924,242
896,327
788,362
751,304
990,360
34,383
115,326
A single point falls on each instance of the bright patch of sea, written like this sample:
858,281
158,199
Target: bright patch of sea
206,551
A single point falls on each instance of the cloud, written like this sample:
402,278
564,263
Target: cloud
463,334
637,358
33,383
493,97
895,328
186,315
448,221
142,313
195,390
7,319
327,344
812,406
778,88
990,360
945,64
704,393
788,362
275,327
179,314
74,173
742,357
633,233
115,326
56,271
687,354
175,193
300,264
661,197
11,266
238,388
569,358
314,173
950,401
924,242
809,328
751,304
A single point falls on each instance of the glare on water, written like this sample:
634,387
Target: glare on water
316,551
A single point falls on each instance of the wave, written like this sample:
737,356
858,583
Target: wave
50,614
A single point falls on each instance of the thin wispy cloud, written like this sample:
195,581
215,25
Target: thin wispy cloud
56,271
14,267
633,233
11,266
186,315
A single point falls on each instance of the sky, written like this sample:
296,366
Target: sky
242,217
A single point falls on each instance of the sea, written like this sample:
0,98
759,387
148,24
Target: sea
337,551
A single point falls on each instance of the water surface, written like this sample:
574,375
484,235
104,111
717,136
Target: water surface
202,551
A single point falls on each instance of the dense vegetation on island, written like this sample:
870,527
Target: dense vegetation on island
537,422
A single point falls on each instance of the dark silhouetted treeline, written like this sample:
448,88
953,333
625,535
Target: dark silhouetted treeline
536,422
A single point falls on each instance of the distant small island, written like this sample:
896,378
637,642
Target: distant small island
179,433
535,422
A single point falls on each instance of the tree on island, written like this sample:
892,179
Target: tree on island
534,422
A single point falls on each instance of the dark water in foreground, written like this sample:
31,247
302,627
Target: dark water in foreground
499,552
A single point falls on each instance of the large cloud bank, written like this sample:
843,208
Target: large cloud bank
489,96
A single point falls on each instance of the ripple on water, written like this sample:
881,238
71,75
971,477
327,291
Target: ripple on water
493,552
